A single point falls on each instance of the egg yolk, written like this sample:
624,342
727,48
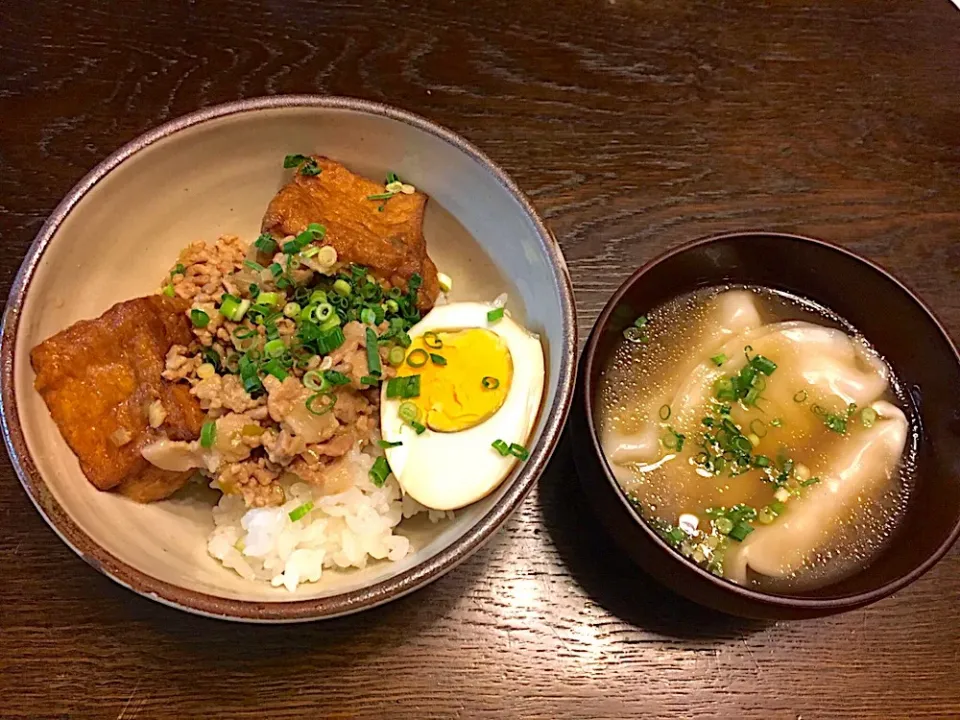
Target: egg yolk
464,377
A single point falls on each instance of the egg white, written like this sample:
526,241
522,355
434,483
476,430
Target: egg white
447,471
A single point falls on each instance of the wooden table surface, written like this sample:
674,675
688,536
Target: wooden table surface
634,125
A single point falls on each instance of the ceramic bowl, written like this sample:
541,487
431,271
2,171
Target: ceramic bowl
213,172
894,320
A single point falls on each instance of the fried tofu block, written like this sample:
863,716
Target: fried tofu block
99,378
388,241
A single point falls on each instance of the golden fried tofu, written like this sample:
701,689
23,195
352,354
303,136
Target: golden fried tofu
385,236
99,379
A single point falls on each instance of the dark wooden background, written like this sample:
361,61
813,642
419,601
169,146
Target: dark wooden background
634,125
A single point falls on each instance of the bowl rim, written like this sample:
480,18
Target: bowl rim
281,611
591,358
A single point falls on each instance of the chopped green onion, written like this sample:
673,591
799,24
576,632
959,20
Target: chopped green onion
233,308
291,310
641,321
301,510
432,340
313,380
501,447
373,353
758,427
310,251
761,461
417,358
519,451
494,315
408,412
810,481
335,377
740,531
396,356
438,359
253,265
342,288
329,341
368,316
292,161
418,428
326,407
178,269
665,412
673,440
404,387
208,433
718,359
381,196
274,348
276,269
275,367
777,508
168,290
763,364
868,416
776,422
265,244
800,397
765,516
490,383
751,397
199,318
369,380
386,444
269,298
317,297
323,312
723,524
379,471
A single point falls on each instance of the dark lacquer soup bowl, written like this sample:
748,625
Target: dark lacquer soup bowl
900,328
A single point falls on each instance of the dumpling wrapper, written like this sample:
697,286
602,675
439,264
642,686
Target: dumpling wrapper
731,314
859,470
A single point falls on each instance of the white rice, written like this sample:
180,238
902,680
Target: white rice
340,531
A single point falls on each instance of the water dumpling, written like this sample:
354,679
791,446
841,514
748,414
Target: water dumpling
859,470
726,315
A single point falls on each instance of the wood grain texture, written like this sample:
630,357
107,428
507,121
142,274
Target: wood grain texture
634,126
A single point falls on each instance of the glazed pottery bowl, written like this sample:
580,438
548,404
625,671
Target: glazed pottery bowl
211,173
892,318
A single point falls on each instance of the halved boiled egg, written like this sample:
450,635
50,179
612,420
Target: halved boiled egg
479,380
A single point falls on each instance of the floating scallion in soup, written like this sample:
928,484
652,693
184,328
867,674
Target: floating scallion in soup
759,435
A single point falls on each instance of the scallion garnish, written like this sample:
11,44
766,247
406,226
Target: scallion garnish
494,315
490,383
199,318
673,440
342,288
329,401
335,377
168,290
763,364
417,358
418,428
301,510
800,396
835,423
386,444
274,348
373,353
381,196
275,367
776,422
208,433
314,380
519,451
233,308
305,165
758,427
718,359
404,387
178,269
265,244
438,359
810,481
665,412
276,269
740,531
253,265
379,471
432,340
396,356
868,416
369,380
501,447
